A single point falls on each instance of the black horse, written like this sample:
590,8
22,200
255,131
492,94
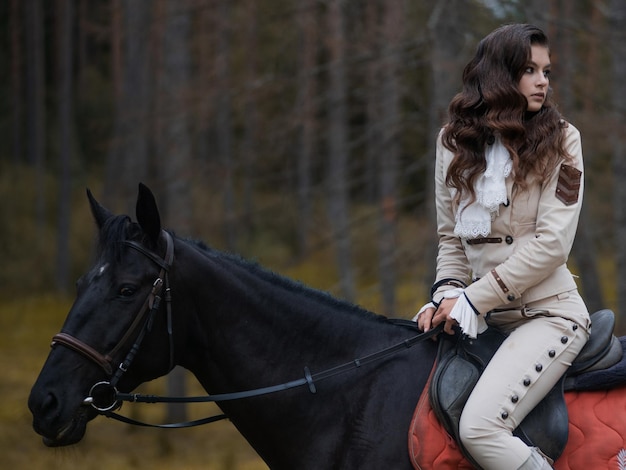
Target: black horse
236,327
310,381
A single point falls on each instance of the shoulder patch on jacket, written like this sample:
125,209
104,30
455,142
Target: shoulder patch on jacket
568,185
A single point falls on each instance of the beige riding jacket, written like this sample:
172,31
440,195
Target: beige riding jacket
524,257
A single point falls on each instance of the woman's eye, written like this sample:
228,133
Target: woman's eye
127,291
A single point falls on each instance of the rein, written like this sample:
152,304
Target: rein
308,379
105,397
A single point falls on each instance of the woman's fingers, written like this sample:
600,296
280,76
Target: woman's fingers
443,315
448,327
424,321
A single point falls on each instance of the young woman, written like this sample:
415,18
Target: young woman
509,183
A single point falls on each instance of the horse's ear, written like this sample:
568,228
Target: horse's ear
100,214
148,213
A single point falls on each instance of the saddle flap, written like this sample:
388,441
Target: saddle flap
454,383
599,350
481,349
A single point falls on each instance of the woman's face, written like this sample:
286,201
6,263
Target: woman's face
535,79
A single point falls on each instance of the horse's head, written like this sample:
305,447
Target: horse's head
116,308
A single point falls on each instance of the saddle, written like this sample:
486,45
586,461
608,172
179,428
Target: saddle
461,361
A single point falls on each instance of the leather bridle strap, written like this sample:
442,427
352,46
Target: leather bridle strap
165,265
150,305
84,349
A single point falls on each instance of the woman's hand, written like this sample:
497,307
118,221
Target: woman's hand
425,318
442,314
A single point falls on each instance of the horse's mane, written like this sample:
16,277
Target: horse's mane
118,229
276,279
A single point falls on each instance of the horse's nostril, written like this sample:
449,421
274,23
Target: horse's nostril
49,403
47,409
44,407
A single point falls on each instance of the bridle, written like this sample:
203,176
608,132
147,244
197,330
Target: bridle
105,398
103,395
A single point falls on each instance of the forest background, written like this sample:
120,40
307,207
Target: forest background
299,133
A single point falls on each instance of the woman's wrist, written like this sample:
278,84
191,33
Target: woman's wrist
449,281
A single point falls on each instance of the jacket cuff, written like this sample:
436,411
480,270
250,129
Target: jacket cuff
491,291
463,312
440,287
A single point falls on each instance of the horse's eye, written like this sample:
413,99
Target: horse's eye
127,291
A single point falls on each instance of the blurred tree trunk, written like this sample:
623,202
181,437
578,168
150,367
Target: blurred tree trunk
447,40
535,12
116,50
36,103
82,20
372,83
15,25
306,111
564,55
249,146
389,156
127,162
174,141
593,65
65,15
338,151
224,121
618,134
204,125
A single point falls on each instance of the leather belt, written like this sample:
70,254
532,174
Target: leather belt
480,241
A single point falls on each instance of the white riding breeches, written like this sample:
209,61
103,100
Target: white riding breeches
543,340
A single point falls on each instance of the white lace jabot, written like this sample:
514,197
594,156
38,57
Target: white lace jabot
474,220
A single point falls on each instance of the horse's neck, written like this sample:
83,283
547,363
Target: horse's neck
248,329
258,327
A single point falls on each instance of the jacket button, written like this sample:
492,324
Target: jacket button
574,327
510,297
514,399
563,339
504,415
538,367
508,239
552,353
526,382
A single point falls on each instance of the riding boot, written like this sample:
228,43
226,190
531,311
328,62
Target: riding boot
537,461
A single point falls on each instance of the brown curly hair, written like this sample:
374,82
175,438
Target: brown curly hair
490,102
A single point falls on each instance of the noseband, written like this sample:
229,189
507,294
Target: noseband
102,395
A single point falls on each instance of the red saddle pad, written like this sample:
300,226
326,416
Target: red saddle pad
597,435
